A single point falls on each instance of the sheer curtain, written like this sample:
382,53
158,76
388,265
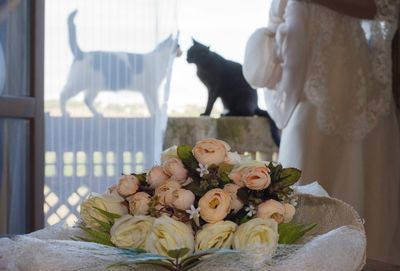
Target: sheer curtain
107,70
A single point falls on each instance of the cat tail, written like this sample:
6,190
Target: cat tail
76,51
275,132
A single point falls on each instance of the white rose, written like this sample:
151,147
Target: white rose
171,152
271,209
257,235
127,185
139,203
156,176
174,168
217,235
108,202
211,151
131,231
290,210
183,199
232,189
168,234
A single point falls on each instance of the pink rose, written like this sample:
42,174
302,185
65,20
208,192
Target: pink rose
183,199
252,174
174,168
165,192
156,176
215,205
232,189
271,209
139,203
127,185
290,210
211,151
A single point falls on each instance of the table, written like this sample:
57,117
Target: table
373,265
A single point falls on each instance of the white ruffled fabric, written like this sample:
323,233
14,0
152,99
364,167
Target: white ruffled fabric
339,233
350,83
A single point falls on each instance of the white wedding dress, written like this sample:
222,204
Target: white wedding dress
332,96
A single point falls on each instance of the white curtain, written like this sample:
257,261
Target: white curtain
108,63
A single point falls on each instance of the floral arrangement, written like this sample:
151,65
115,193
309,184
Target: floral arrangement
201,200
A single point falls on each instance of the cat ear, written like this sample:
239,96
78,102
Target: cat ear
194,41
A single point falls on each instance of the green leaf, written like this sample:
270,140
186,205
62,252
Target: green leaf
104,225
202,253
224,168
289,176
223,176
289,233
164,264
108,214
118,265
178,253
186,155
99,237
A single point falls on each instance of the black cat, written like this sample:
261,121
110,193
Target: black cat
224,78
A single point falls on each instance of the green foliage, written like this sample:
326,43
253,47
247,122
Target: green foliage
97,237
178,253
179,262
289,233
109,215
186,155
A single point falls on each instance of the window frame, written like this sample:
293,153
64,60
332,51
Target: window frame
31,108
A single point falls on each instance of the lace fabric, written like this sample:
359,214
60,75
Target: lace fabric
348,68
339,233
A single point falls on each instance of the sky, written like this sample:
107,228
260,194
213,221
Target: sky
115,25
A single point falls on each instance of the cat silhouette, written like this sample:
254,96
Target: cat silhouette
95,71
224,79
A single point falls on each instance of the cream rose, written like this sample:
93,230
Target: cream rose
232,189
139,203
211,151
271,209
171,152
215,205
165,192
156,176
174,168
217,235
257,234
252,174
167,234
131,231
290,210
183,199
127,185
108,202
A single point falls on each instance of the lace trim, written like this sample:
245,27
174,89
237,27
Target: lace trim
363,101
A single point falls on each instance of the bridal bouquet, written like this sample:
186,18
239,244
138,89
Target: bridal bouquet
201,200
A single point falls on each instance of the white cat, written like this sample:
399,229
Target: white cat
95,71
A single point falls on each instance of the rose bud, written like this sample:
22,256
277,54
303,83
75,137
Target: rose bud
289,212
215,205
232,189
256,178
156,176
271,209
183,199
127,185
165,192
211,151
139,203
174,168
